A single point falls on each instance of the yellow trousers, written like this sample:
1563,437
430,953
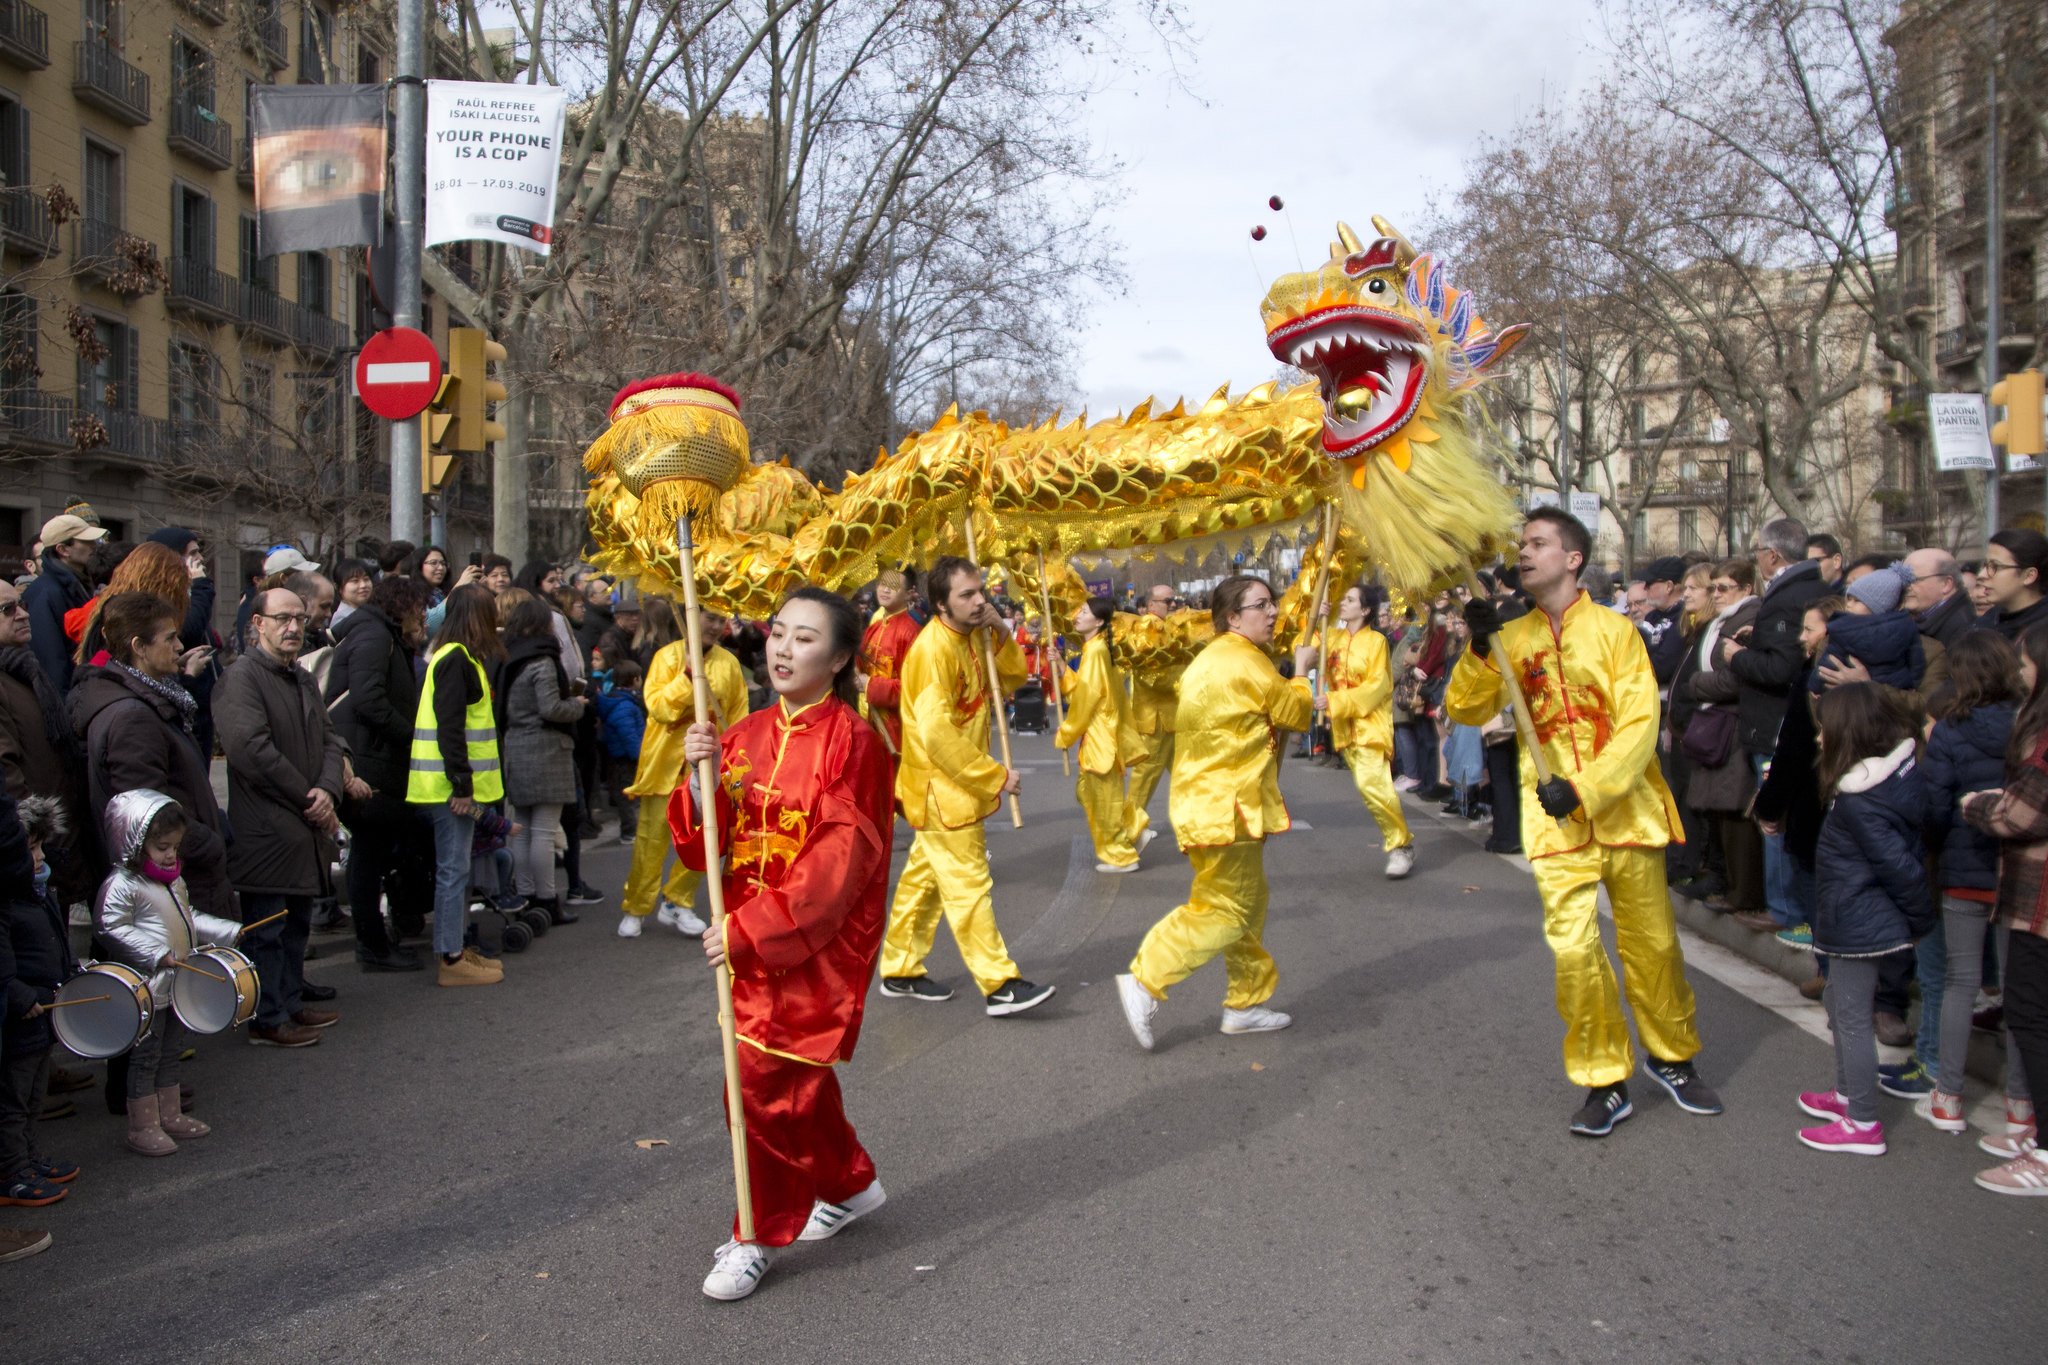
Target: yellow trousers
1596,1046
1102,800
651,847
1374,777
947,870
1145,775
1225,913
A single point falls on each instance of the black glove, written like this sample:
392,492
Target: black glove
1557,797
1482,620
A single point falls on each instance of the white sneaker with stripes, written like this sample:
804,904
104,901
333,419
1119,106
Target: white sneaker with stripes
736,1271
827,1219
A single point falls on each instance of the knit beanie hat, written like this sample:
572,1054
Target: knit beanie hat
1881,589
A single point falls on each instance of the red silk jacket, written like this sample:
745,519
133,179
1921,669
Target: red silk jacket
882,649
804,810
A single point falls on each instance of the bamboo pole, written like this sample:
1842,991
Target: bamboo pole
995,685
1520,704
1059,665
714,885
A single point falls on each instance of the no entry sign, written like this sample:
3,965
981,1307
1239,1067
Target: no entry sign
398,373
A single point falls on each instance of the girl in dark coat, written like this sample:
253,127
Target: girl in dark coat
1871,893
1966,753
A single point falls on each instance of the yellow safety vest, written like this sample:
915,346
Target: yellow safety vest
427,783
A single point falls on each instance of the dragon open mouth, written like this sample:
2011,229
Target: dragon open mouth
1369,364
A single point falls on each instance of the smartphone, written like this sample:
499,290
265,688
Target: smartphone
476,559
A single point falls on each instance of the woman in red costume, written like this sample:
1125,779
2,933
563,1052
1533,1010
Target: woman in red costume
804,803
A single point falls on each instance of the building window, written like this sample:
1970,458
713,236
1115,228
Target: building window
313,282
191,74
109,383
102,183
1688,529
13,142
316,44
17,343
103,22
259,382
191,226
369,65
194,401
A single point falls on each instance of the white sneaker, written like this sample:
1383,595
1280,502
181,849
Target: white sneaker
1139,1008
1145,840
629,926
827,1219
736,1271
687,923
1400,862
665,912
1114,867
1257,1019
1405,784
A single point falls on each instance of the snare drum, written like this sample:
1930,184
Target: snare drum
218,993
104,1028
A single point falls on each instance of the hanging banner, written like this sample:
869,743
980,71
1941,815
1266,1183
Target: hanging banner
492,154
318,156
1962,435
1586,507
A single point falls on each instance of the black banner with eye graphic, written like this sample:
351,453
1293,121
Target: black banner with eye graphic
319,158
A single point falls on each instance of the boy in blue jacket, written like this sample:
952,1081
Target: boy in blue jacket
621,724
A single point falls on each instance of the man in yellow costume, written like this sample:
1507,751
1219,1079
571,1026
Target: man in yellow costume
1224,802
1602,819
1360,702
946,785
1152,713
671,709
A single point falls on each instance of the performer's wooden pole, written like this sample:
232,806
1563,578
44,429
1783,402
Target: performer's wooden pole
1059,665
1520,704
1322,606
714,884
995,684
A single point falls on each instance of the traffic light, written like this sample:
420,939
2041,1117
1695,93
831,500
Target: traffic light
437,464
2020,394
470,356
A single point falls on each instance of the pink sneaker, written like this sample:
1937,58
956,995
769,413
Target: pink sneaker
1845,1135
2015,1140
1944,1111
1824,1104
2025,1174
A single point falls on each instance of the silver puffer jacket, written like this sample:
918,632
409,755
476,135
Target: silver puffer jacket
141,919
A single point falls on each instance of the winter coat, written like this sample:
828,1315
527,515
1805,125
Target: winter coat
140,920
1700,683
1965,755
35,959
2011,625
55,591
2018,816
40,756
1949,620
135,738
374,668
1870,877
624,723
1791,792
1770,668
280,747
537,718
1887,646
596,624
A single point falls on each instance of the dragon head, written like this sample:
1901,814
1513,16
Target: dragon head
1385,337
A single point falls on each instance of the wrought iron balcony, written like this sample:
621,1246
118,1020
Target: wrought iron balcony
1955,345
108,83
315,333
245,162
24,35
97,247
212,11
199,289
128,435
200,133
264,312
25,224
40,421
265,35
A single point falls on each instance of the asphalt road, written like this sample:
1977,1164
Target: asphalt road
453,1175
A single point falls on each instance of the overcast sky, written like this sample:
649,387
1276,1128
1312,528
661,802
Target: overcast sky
1342,109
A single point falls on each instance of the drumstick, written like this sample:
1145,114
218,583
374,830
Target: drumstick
88,1000
188,967
267,919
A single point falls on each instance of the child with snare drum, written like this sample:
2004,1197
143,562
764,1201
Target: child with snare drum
35,960
146,919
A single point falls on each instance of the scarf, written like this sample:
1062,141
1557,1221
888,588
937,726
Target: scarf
1711,636
169,691
17,662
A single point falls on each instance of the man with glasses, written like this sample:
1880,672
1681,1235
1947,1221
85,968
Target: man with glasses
1768,667
284,786
1936,597
1152,720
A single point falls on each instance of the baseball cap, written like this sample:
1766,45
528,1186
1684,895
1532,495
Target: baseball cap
1665,569
284,559
59,529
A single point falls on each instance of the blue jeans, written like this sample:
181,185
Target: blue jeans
278,952
452,836
1787,894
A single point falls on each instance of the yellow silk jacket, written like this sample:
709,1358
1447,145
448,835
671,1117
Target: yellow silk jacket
1593,700
1153,701
667,694
1361,691
1226,779
1097,712
946,777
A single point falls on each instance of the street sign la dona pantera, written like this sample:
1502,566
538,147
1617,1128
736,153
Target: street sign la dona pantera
398,373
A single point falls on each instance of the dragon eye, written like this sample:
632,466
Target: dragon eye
1375,286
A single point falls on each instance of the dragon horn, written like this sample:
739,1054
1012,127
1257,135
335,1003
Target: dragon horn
1347,242
1387,229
